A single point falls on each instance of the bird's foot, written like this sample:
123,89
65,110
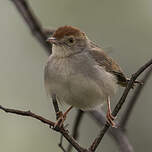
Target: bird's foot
110,119
60,120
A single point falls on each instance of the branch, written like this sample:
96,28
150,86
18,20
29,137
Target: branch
119,137
119,104
32,22
61,144
126,115
64,132
75,133
27,113
56,107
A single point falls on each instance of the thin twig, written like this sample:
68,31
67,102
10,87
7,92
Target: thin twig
61,141
119,137
29,114
56,107
119,105
61,144
64,132
126,115
75,133
32,22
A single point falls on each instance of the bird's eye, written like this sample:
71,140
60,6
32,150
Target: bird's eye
71,40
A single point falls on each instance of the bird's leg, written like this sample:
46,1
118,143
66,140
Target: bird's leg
62,117
109,116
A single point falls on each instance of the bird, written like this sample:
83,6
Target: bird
80,73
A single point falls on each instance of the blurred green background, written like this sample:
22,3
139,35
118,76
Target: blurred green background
124,26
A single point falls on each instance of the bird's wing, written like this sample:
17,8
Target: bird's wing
108,63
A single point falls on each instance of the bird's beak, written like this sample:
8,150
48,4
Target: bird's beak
52,40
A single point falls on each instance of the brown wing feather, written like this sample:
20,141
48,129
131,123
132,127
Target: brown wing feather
108,63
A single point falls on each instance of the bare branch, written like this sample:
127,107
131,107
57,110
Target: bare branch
56,107
64,132
119,137
27,113
32,22
126,115
75,133
119,104
61,144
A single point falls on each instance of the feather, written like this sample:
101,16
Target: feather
108,63
66,31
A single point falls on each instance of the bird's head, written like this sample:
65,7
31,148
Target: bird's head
68,40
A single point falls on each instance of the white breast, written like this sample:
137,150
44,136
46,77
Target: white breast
77,86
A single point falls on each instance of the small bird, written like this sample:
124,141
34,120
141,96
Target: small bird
80,73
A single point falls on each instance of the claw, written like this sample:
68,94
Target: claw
60,121
109,116
110,119
61,117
